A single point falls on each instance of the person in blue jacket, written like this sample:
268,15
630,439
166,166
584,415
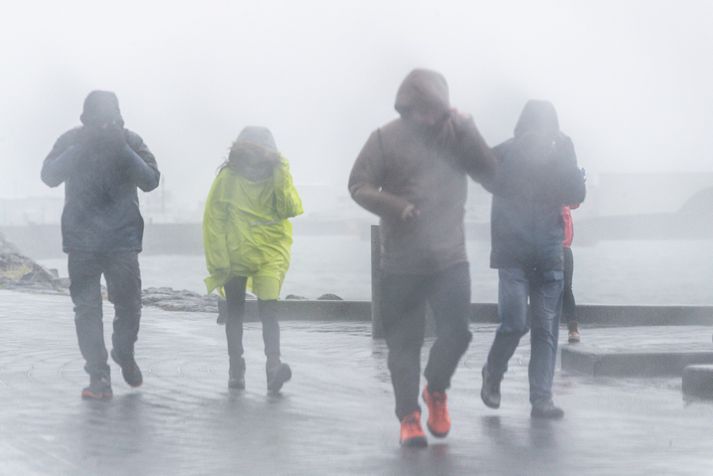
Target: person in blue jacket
536,174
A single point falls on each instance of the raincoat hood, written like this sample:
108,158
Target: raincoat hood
539,117
257,136
423,89
101,107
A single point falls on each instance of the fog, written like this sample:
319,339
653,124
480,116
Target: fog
631,80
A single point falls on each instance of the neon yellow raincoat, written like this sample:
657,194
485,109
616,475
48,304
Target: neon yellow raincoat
246,231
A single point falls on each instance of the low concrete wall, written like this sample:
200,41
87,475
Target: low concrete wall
589,315
618,363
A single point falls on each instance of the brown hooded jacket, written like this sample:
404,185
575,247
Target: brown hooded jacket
406,163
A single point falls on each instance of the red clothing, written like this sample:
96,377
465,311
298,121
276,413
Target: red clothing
568,227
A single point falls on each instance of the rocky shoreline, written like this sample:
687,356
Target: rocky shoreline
20,273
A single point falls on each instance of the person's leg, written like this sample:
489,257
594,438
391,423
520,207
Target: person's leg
235,305
545,301
449,297
267,309
513,290
266,285
85,270
569,307
568,304
123,279
267,288
403,317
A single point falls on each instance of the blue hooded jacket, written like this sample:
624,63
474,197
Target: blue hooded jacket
536,174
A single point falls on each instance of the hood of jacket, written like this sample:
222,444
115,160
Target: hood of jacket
538,117
423,90
100,108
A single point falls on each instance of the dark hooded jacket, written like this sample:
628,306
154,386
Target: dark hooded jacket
536,175
403,163
101,169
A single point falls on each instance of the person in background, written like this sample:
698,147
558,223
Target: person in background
569,306
536,175
247,239
412,173
101,164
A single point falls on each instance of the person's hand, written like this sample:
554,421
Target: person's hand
107,136
113,137
410,212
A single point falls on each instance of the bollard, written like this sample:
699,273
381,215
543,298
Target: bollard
377,329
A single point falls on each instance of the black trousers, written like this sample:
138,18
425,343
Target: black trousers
235,300
404,299
569,306
123,279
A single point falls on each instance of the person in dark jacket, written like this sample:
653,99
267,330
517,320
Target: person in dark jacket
101,164
412,173
536,175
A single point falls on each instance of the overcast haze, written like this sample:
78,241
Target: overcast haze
632,81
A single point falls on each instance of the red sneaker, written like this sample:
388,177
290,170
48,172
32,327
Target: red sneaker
439,422
412,434
99,389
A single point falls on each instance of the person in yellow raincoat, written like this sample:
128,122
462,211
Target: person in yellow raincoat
247,237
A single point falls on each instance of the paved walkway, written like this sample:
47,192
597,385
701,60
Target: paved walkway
335,417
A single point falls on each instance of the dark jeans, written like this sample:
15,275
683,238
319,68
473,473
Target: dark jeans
544,290
123,280
403,312
569,307
235,297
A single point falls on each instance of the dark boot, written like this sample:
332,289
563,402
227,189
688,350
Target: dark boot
236,374
129,369
277,374
546,409
490,391
99,388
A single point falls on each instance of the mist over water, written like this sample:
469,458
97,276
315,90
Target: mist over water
607,273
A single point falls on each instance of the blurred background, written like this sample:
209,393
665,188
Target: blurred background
631,82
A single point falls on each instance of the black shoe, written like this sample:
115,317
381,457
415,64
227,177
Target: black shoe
277,374
490,391
129,370
546,409
236,375
99,389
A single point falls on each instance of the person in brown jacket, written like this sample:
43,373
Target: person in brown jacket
412,173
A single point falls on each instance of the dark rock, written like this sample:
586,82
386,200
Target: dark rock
293,297
170,299
329,297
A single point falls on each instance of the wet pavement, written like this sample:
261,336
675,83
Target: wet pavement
335,417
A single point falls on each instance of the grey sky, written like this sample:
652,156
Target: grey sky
631,80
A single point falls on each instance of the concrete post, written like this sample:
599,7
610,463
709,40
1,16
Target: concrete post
377,329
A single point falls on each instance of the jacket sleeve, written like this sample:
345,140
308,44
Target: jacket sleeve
142,163
215,245
367,178
495,182
475,155
566,182
62,160
287,201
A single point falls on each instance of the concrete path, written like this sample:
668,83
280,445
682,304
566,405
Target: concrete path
335,417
